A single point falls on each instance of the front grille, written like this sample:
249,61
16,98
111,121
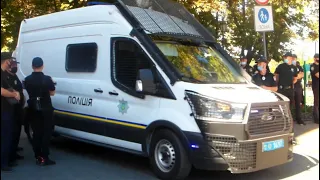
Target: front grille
240,156
269,119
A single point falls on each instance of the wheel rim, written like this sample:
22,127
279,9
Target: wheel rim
165,155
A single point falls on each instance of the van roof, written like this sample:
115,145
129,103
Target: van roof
84,15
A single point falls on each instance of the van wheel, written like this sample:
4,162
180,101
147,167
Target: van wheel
168,157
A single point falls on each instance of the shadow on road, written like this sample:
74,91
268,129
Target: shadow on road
108,156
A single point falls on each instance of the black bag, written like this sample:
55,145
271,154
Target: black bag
35,103
12,101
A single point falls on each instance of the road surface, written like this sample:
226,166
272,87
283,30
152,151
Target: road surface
81,161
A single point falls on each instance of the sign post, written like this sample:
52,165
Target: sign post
305,81
263,22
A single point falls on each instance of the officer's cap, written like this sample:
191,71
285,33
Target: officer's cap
294,55
243,57
5,56
288,54
262,59
316,55
37,62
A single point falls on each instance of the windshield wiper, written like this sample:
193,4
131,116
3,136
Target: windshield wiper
190,79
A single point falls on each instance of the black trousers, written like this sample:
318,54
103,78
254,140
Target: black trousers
298,94
42,125
6,137
289,93
316,105
17,124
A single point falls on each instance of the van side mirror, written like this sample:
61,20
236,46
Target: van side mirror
145,82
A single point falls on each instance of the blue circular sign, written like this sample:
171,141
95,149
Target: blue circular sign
263,15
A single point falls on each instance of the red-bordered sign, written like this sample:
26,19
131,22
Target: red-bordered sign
262,2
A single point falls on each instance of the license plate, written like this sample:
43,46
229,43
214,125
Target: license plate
272,145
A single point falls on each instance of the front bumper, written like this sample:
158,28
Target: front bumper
227,153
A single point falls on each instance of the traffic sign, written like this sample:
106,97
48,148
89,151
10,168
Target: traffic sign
263,18
262,2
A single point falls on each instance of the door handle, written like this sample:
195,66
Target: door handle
98,90
113,93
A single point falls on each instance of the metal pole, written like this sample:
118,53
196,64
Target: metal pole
265,45
305,79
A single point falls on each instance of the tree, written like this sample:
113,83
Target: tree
290,20
287,14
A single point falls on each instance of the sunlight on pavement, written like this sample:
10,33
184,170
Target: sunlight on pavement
308,147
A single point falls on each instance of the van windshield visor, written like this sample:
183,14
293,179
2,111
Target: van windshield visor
200,64
165,17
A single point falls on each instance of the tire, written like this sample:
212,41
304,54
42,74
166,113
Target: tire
173,162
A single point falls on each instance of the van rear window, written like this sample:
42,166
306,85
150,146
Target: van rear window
81,57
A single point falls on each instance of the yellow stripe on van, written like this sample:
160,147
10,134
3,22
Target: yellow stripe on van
100,119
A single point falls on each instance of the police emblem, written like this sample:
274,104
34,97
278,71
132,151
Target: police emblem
292,69
15,82
123,106
312,68
263,78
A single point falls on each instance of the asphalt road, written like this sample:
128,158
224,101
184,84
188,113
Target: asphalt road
81,161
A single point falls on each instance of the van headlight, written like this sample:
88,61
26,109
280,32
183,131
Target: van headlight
205,108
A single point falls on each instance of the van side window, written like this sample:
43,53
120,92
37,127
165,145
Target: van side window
81,57
128,59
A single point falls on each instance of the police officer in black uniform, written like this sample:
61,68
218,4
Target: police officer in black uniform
40,89
244,64
264,78
16,84
314,69
286,76
6,112
298,90
255,67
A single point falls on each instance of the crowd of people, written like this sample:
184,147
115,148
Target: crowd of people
286,80
39,113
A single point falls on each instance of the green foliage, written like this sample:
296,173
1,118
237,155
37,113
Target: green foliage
240,23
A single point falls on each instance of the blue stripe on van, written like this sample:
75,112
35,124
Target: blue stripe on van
108,120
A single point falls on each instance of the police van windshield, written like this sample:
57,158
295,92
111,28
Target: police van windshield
200,64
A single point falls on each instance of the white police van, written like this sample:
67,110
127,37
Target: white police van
146,77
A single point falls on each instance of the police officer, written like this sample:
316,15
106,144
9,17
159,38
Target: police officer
286,76
263,78
298,90
6,112
255,67
16,84
40,87
314,68
244,64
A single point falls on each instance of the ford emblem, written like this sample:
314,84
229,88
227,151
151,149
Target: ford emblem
267,117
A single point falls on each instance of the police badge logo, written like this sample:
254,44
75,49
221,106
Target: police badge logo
263,78
292,69
15,82
312,68
123,106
